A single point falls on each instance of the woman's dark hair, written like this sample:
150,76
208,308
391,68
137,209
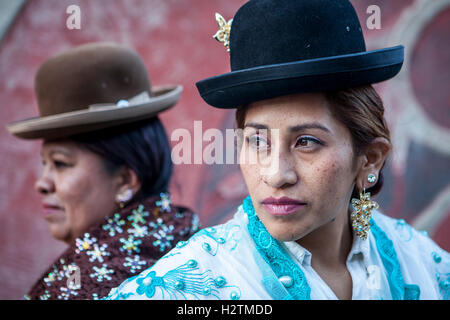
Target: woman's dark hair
143,147
361,110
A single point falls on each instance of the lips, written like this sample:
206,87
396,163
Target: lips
283,206
50,208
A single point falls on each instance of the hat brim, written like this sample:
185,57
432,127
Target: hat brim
92,119
242,87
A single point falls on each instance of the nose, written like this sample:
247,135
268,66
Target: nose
45,183
281,174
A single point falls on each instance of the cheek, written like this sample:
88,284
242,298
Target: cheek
330,178
72,189
83,194
249,172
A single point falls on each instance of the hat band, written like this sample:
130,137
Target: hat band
141,98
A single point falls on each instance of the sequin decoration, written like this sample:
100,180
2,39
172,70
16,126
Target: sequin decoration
102,273
114,225
134,264
138,215
130,245
85,243
66,293
162,233
45,296
51,276
195,223
163,240
164,203
139,231
98,252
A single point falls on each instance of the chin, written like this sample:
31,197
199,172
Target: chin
59,234
285,234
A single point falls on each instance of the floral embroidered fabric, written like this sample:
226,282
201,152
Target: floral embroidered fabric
127,243
240,260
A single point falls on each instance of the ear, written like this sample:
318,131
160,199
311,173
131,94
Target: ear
373,159
127,179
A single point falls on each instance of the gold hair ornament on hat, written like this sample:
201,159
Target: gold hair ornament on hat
223,34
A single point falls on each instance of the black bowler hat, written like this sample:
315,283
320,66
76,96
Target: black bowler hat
281,47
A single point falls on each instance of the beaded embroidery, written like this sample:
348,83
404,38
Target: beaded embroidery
102,273
443,280
164,203
138,215
98,252
124,244
134,264
85,243
178,283
114,225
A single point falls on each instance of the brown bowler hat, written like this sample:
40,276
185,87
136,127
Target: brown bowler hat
92,87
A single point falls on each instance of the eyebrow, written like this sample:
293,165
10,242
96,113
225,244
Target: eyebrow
301,127
57,150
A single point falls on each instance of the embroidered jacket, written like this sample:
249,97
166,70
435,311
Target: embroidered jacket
125,244
240,260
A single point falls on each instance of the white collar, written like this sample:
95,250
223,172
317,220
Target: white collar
360,249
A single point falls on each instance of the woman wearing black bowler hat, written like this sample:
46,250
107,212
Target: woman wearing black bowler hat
314,143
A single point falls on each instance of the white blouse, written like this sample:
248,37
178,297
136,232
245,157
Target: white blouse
232,261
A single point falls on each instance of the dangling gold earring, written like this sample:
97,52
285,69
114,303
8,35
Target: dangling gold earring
362,213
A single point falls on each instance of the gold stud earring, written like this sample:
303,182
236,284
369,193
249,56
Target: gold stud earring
362,213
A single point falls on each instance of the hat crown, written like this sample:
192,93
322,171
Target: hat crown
89,74
266,32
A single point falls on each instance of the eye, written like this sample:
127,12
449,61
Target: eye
60,164
307,142
257,142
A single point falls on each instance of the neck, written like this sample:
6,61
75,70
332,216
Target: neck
331,243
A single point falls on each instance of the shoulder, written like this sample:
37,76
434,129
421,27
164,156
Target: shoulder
403,234
194,269
422,260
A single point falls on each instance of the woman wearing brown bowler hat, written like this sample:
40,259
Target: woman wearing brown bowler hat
106,169
314,143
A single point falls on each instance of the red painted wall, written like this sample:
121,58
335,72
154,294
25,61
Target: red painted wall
174,37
